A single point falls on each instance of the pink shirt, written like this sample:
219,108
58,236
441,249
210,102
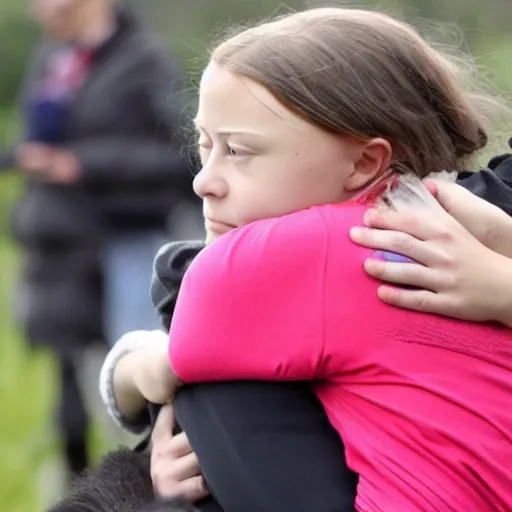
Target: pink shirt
420,401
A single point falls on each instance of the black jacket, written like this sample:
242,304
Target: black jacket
493,184
124,124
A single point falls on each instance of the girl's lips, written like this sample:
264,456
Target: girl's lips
218,227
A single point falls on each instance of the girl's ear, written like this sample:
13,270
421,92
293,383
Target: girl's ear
374,159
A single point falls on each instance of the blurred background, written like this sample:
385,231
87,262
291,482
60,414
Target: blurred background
31,460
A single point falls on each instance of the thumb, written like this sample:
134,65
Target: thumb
164,424
452,197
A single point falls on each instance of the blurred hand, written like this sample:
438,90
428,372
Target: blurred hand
174,466
64,168
34,158
51,164
456,274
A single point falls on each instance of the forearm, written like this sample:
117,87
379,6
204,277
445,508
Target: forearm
129,399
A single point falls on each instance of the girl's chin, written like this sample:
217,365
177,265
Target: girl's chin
210,237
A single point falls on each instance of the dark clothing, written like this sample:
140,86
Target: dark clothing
168,270
123,127
118,109
493,184
122,124
71,416
266,446
59,297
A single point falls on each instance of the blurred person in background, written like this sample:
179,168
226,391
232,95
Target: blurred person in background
101,109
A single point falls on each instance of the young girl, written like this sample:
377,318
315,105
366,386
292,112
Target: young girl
308,111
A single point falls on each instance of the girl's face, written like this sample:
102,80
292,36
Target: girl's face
261,160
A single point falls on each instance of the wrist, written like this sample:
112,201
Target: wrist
130,401
119,397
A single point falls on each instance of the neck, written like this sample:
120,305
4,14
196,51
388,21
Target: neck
98,24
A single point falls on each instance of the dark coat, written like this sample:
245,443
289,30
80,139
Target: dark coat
123,127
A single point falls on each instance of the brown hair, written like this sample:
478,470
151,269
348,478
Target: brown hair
365,74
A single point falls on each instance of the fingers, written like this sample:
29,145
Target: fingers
406,222
406,274
454,199
164,425
175,469
190,490
180,446
431,186
415,300
194,489
399,243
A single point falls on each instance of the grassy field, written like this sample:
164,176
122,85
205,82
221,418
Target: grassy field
27,443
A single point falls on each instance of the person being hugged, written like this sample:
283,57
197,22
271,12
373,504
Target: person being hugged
297,117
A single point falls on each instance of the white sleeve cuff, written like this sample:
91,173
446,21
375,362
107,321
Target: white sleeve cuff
127,343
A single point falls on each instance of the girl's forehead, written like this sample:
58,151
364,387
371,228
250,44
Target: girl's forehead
232,97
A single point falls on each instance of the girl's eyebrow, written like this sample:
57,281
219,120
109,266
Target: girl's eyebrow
238,131
227,130
231,131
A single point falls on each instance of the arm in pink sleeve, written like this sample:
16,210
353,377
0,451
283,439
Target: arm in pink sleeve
251,304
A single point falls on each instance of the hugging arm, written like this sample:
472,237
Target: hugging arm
262,446
251,306
266,447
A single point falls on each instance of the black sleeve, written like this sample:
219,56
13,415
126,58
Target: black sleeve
169,268
156,156
493,184
266,447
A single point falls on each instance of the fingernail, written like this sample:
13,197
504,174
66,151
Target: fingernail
391,256
356,232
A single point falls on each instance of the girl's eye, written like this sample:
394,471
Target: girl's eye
238,153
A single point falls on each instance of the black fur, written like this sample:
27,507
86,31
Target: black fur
121,483
169,506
